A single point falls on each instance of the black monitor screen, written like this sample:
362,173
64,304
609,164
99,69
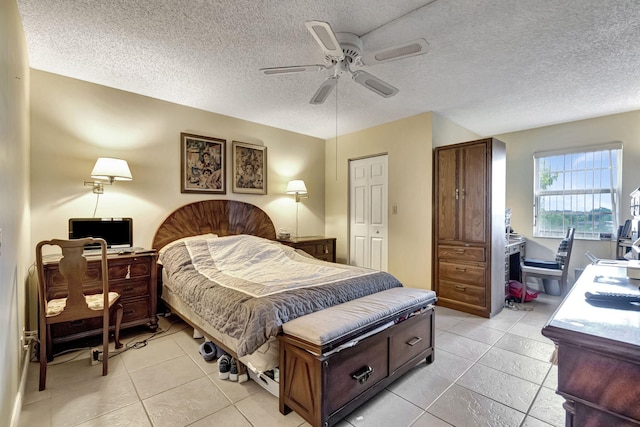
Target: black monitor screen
116,231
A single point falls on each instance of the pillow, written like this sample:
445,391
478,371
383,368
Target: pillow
186,239
561,255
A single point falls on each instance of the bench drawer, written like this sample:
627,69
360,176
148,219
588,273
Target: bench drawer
409,339
355,370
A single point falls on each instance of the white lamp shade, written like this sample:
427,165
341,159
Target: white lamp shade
111,169
296,186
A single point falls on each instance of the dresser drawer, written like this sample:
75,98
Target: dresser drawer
462,292
318,247
459,253
129,268
131,288
409,339
471,274
57,281
135,310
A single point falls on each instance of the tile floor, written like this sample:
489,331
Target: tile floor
487,372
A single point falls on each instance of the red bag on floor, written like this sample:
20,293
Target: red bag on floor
515,291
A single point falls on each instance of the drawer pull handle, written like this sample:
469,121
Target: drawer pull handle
461,269
459,251
461,288
128,289
414,341
129,312
363,375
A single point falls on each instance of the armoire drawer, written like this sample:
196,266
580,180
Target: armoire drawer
463,292
464,273
459,253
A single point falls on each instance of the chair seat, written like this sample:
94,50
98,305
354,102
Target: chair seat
56,306
540,271
529,262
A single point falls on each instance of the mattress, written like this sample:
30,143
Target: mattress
265,358
246,287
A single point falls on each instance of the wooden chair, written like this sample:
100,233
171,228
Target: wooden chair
76,305
552,270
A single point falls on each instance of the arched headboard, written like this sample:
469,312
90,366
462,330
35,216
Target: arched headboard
221,217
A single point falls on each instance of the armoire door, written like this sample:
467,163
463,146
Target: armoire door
473,194
447,202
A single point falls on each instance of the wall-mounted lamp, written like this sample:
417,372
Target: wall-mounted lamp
108,170
298,188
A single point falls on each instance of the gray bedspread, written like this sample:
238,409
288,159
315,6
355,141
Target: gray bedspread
224,294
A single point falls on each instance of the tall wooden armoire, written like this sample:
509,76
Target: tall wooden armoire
469,226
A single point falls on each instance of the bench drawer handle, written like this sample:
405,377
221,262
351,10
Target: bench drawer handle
459,251
363,375
414,341
461,288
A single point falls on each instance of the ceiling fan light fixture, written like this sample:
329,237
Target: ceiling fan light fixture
324,90
374,84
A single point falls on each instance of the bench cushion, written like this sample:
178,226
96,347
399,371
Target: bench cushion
322,327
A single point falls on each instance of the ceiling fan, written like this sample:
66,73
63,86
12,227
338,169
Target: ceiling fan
344,50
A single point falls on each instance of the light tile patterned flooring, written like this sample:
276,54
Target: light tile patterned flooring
487,372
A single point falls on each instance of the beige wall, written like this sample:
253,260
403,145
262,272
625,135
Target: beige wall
14,205
409,144
520,148
74,122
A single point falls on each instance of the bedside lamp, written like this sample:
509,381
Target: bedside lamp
108,170
298,188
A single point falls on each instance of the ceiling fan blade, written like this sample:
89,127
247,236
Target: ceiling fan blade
326,38
404,50
374,84
293,69
324,90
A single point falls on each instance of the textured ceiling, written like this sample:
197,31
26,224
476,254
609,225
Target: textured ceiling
493,66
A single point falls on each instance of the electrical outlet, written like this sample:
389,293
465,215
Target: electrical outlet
27,338
95,356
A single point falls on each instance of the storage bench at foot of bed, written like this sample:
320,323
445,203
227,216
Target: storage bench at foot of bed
324,385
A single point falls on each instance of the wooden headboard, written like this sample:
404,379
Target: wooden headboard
221,217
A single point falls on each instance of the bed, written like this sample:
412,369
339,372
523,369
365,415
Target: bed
224,273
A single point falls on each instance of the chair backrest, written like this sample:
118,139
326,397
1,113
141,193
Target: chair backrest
563,256
72,266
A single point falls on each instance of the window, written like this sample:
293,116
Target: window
578,188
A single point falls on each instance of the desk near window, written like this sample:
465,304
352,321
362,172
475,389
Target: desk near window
598,350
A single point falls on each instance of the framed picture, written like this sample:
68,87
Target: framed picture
202,164
249,168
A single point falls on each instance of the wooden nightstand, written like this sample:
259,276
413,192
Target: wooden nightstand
321,247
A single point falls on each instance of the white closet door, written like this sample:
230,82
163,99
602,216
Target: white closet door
368,212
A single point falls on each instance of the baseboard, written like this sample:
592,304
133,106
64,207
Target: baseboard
17,407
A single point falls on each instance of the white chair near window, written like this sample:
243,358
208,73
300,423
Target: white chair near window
551,270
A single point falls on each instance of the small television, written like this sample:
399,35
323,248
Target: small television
117,232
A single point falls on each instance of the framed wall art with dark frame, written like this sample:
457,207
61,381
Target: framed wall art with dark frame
249,168
202,164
